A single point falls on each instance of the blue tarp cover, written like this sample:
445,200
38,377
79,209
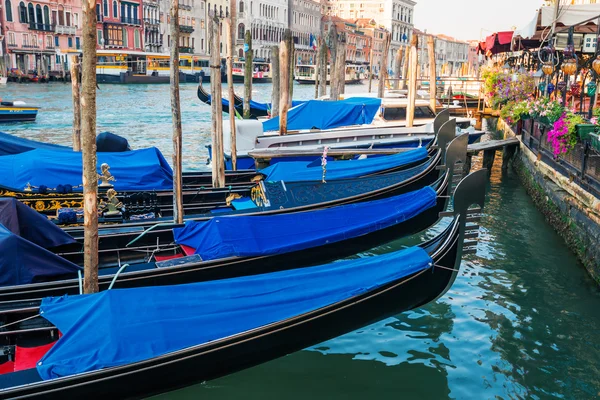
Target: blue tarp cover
247,236
143,169
267,106
23,221
296,171
122,326
10,144
23,262
328,114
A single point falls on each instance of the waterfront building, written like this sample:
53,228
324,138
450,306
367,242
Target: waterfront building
377,34
153,38
119,25
266,20
358,44
452,55
305,22
39,35
395,15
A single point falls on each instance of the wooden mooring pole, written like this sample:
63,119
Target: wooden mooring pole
333,45
404,67
248,57
383,71
292,58
284,78
317,65
276,89
230,54
398,69
176,115
371,64
412,83
218,157
324,64
88,149
340,65
432,72
76,89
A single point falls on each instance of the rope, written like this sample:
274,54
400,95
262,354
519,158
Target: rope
442,267
21,320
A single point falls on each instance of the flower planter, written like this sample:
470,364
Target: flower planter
584,130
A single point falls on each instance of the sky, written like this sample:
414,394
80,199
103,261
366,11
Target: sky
473,19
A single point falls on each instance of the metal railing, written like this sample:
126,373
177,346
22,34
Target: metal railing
40,27
183,49
65,30
581,164
186,28
132,21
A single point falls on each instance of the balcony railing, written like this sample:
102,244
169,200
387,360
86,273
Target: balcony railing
185,7
132,21
40,27
30,46
186,28
183,49
65,30
151,21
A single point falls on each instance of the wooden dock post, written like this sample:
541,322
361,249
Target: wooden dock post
432,72
248,57
76,89
412,83
508,154
468,163
488,159
230,55
176,115
284,78
371,64
404,67
275,70
340,65
317,65
383,71
398,69
292,56
218,157
323,70
88,149
333,45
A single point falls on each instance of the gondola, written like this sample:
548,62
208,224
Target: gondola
197,199
137,342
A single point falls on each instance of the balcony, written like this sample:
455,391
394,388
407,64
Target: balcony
189,50
130,21
151,21
30,46
186,28
65,30
40,27
185,7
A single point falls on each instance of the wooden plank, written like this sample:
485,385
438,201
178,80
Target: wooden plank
491,145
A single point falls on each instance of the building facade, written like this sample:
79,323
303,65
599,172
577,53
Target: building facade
120,26
358,43
397,16
39,36
451,55
153,39
305,21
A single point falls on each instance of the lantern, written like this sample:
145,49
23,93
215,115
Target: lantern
591,89
548,68
596,65
542,87
550,88
561,87
569,66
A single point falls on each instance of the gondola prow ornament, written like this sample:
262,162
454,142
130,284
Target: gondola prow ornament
105,177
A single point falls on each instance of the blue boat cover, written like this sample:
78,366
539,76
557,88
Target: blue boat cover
143,169
23,262
10,144
248,236
267,106
108,142
24,221
123,326
297,171
321,114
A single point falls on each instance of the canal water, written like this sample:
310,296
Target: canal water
522,319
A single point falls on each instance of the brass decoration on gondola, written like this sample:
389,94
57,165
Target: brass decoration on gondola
105,176
569,66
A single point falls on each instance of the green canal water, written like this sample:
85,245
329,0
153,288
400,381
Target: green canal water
521,321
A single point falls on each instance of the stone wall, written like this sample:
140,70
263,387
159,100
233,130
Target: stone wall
573,212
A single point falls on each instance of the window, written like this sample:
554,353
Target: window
100,37
124,37
30,13
115,10
97,12
22,12
49,43
56,42
11,39
70,42
76,20
8,8
241,7
136,38
201,44
46,15
68,18
77,43
105,8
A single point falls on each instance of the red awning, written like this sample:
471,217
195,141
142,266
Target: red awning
505,37
490,41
